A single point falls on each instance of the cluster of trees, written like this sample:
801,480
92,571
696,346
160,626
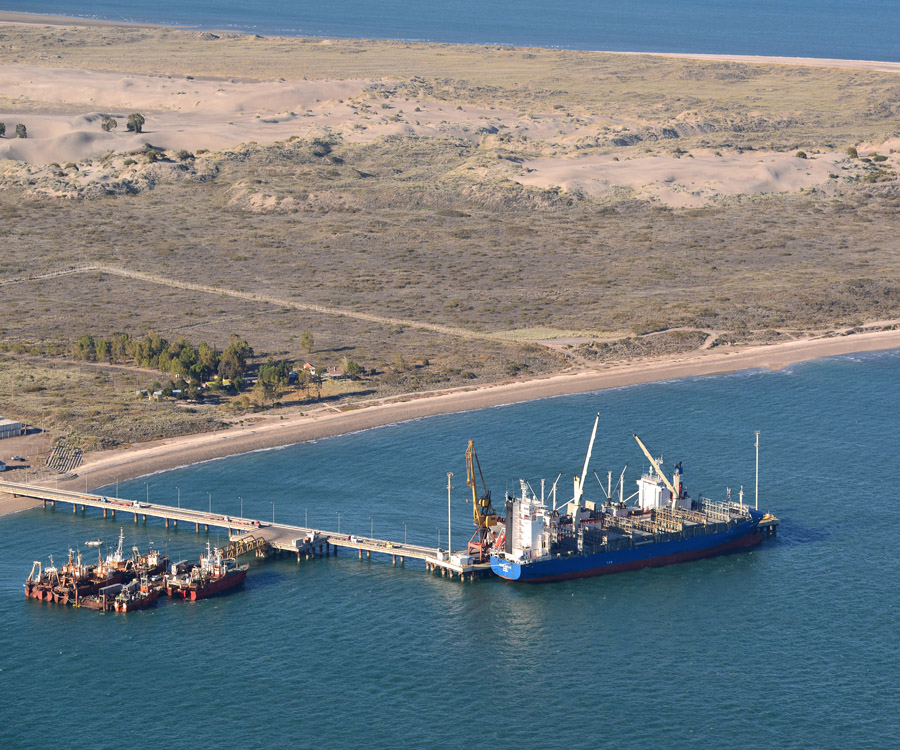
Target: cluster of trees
275,376
194,365
21,130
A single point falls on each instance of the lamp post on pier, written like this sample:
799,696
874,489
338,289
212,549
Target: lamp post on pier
339,522
449,487
756,500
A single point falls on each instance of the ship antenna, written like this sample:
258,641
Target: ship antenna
756,504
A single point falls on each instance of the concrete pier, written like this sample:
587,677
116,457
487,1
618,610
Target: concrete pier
278,537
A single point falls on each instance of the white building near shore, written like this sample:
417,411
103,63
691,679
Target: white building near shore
9,428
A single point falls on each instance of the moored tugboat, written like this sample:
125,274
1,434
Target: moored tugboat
214,575
137,595
41,581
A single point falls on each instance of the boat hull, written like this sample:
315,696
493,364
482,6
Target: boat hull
146,599
648,555
216,586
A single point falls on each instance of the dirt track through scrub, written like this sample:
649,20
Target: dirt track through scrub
254,297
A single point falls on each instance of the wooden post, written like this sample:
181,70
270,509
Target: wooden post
206,528
360,554
135,517
368,553
167,522
113,512
145,518
74,508
197,529
104,512
394,560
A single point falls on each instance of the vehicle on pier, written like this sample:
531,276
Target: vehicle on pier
544,542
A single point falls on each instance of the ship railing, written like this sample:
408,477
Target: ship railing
725,511
668,519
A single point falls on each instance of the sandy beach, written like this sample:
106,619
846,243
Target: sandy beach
106,467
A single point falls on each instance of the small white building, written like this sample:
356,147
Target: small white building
9,428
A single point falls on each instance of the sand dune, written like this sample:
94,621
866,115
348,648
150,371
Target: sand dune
63,109
686,181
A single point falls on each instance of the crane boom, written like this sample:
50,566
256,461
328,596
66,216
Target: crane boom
482,511
587,460
658,469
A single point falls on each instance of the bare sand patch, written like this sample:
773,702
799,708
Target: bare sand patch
686,180
63,110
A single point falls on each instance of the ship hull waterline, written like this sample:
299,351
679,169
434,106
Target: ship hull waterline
621,561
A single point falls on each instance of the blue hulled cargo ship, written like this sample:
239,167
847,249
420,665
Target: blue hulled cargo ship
659,524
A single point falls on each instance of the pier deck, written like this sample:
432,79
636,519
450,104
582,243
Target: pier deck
298,540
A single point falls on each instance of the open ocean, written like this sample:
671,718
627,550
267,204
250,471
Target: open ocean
791,645
863,29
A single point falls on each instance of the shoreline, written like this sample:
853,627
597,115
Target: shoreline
105,467
884,66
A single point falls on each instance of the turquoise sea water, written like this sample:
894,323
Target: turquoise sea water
793,644
864,29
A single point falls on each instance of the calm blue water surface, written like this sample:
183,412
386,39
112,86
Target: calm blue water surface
864,29
793,644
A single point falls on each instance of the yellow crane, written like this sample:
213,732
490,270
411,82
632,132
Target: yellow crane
676,493
482,511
